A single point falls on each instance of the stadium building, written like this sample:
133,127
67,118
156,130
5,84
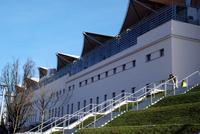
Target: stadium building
157,38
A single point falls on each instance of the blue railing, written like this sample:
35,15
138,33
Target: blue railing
124,41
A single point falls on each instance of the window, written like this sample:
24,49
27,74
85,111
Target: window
113,95
162,52
69,88
123,93
86,82
92,79
124,67
133,90
63,91
106,73
105,98
148,57
99,77
84,105
80,84
68,109
90,103
72,108
134,63
114,70
60,92
79,105
97,102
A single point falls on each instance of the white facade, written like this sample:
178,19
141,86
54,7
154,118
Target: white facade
173,47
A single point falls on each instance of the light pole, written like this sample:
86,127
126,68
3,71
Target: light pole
3,86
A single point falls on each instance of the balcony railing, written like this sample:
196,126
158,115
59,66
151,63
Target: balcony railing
125,40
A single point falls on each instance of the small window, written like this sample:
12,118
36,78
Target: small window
80,83
114,70
105,97
84,105
124,67
99,77
86,82
123,93
64,91
106,73
60,92
92,79
161,52
113,95
97,100
148,57
69,88
62,111
90,103
72,108
79,105
59,112
133,63
133,90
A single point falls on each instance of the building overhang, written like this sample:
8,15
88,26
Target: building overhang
92,41
64,59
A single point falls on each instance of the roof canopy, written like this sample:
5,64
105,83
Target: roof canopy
64,59
42,71
138,10
92,41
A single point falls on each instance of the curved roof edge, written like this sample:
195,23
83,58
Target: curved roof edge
92,41
64,59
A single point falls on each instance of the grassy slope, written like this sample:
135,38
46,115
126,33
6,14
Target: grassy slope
181,109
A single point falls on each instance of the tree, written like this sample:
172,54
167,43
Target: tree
18,98
43,103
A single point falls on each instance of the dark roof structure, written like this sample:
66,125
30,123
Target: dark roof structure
64,59
31,82
139,9
42,72
92,41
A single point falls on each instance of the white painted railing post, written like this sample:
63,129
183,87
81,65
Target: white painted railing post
137,103
94,120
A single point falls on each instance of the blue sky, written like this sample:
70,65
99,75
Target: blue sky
38,29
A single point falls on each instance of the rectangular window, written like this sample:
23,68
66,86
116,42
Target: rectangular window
84,105
52,112
86,82
148,57
64,91
92,79
123,93
133,90
134,63
114,70
105,99
162,52
90,103
99,77
80,84
106,74
124,67
97,102
79,105
72,108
